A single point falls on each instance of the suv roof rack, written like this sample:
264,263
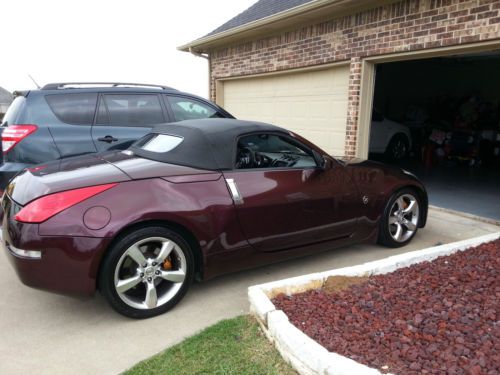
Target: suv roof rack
63,85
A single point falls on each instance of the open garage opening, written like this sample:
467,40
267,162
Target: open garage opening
440,119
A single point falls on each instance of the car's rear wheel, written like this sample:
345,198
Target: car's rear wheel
397,148
147,272
400,220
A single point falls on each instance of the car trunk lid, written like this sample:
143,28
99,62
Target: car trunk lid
61,175
139,168
97,169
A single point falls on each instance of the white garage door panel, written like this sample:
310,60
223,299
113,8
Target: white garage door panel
312,104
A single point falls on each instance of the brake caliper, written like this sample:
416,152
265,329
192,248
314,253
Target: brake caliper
167,264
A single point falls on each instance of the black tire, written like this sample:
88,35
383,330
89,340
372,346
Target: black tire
387,235
398,148
149,242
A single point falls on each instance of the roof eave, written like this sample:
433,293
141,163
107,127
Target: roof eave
202,45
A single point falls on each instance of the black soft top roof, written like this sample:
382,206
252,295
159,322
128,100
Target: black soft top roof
208,143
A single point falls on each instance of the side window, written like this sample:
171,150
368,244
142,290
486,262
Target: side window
76,109
130,110
191,109
272,151
159,143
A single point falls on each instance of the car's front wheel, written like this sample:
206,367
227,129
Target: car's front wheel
147,272
399,222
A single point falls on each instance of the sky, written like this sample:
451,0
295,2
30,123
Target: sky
108,40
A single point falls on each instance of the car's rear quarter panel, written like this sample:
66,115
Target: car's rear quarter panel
203,208
67,264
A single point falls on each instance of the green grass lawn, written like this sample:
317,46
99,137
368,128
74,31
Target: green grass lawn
233,346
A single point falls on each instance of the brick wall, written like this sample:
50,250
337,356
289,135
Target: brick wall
406,25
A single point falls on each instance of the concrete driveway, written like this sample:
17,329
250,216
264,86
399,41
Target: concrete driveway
45,333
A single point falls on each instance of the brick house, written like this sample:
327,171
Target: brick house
310,65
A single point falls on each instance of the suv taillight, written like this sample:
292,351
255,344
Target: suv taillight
14,134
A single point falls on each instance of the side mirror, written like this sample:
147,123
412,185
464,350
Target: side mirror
319,159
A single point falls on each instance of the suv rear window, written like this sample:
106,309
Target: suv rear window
77,109
14,111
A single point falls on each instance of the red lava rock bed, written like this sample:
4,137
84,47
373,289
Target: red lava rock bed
436,317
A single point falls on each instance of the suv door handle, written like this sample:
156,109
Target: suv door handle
108,139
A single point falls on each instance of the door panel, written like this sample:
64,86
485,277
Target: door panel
69,120
286,208
116,137
123,118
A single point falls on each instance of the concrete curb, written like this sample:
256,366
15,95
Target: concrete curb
466,215
306,355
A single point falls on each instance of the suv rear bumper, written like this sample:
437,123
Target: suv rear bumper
7,171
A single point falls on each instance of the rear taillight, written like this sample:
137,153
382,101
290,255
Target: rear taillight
45,207
14,134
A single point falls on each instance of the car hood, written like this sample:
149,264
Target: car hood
360,162
96,169
365,171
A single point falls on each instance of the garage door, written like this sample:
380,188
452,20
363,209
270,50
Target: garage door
312,104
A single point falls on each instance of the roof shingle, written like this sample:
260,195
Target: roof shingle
261,9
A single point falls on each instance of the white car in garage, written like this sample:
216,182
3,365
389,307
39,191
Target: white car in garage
389,137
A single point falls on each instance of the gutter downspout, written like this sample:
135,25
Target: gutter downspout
207,57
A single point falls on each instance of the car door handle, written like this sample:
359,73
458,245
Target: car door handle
108,139
233,189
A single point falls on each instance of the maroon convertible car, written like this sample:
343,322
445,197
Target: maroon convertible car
196,199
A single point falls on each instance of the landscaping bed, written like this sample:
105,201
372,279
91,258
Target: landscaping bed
431,317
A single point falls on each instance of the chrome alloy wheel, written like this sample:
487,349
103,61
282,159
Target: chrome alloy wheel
403,218
150,273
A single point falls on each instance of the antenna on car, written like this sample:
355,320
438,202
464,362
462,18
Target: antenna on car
36,84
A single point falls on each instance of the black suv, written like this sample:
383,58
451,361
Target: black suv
68,119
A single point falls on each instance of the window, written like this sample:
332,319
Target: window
77,109
272,151
130,110
189,109
159,142
14,110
